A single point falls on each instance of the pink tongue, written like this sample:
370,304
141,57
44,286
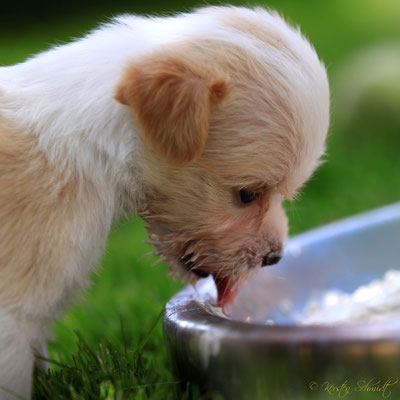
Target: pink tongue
227,290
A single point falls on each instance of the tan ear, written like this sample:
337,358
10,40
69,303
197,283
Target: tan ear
172,104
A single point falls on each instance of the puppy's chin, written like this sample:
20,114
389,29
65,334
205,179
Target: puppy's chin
191,257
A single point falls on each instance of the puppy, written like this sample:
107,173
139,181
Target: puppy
202,123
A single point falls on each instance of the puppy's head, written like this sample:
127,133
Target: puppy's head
234,119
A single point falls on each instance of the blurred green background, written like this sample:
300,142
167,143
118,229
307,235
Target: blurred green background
357,40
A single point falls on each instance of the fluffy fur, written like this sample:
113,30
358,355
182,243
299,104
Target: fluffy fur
167,117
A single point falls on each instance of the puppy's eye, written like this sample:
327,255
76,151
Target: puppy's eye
246,196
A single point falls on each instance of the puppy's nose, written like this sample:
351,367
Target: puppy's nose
271,259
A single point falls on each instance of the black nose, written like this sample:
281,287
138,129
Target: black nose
271,259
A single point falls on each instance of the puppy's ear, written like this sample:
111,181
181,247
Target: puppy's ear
172,104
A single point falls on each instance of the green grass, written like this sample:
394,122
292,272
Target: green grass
103,361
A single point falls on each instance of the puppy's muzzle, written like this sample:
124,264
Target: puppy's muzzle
271,259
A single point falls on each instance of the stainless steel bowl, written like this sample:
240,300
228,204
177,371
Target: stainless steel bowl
234,359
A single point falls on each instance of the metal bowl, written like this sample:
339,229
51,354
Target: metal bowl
232,358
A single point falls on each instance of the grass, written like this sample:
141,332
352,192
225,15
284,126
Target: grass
109,344
106,371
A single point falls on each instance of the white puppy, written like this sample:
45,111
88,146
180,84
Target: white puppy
202,123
